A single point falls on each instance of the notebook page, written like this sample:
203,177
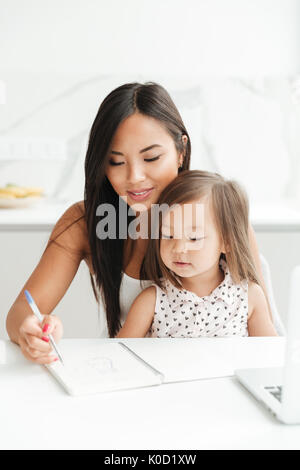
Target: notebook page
181,359
102,368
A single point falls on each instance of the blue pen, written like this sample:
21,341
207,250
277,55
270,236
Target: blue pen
39,316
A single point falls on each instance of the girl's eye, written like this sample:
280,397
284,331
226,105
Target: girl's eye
168,237
196,239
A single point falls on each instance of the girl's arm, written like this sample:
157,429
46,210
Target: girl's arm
48,283
255,254
259,322
140,316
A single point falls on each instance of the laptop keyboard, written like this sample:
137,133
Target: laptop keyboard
275,391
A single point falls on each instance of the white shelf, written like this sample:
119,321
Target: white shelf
44,215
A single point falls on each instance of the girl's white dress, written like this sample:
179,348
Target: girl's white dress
181,313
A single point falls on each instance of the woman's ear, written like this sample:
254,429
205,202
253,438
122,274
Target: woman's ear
184,139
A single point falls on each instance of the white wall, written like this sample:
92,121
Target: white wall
207,37
236,61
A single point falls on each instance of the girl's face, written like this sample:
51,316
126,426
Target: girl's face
142,159
190,242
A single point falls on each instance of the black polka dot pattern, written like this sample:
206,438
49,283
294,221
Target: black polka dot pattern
181,313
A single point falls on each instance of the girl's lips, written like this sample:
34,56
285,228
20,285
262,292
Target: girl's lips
140,197
178,263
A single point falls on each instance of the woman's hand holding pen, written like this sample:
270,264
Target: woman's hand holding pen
34,338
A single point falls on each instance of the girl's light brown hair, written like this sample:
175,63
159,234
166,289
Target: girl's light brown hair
229,203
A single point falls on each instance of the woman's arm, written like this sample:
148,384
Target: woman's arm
255,254
51,278
140,315
259,322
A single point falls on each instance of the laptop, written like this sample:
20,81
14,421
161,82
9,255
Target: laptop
279,388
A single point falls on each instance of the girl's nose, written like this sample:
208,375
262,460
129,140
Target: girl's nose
180,246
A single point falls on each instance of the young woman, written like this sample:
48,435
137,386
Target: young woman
205,281
137,145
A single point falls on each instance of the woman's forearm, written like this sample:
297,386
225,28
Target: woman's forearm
15,317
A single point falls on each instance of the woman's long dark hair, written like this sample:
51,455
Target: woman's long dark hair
149,99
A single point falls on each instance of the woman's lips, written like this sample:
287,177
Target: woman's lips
140,197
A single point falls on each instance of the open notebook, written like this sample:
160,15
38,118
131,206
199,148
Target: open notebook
93,366
103,368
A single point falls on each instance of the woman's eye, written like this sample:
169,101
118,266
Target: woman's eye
152,159
146,160
168,237
114,163
196,239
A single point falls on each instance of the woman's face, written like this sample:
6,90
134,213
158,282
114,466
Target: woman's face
142,159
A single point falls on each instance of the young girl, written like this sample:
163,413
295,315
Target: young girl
205,279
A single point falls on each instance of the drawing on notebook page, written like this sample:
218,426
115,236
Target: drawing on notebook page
102,365
94,366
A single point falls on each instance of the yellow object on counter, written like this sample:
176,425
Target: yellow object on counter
11,191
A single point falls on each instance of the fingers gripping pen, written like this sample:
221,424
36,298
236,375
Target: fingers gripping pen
39,316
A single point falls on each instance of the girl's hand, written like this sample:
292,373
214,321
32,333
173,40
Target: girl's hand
34,338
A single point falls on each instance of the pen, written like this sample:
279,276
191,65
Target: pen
39,316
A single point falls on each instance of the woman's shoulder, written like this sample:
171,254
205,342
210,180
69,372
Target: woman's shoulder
75,210
71,230
73,217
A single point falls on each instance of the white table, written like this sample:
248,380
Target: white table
36,413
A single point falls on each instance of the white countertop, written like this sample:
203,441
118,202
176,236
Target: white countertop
44,214
215,413
283,216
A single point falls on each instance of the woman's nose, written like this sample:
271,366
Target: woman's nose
135,173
